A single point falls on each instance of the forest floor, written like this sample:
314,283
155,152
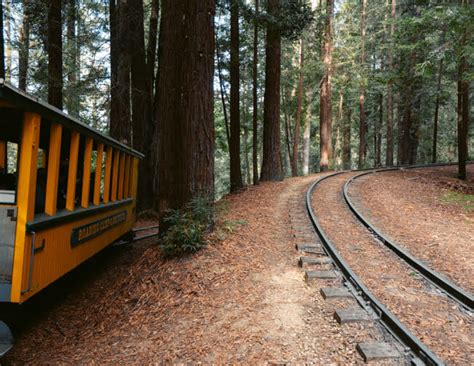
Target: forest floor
243,299
429,212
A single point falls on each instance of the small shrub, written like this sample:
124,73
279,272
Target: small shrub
187,228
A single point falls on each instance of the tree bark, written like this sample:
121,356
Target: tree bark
463,110
307,137
55,52
255,97
24,49
234,149
436,114
362,123
152,42
185,130
378,144
389,153
141,101
71,93
2,46
114,55
223,95
271,162
346,146
325,114
299,107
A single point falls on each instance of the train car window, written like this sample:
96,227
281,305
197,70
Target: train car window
108,173
87,172
115,173
121,175
126,188
8,168
98,165
72,180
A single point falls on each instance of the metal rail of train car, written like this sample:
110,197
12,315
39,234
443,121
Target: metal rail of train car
66,192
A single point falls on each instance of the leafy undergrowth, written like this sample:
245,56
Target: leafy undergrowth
466,201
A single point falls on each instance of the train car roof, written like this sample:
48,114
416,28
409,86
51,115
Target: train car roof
18,99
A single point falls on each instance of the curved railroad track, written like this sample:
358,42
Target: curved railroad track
449,288
425,342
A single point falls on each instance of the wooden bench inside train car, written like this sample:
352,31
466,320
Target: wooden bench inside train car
66,192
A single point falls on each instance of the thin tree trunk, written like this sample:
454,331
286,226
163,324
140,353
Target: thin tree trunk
223,95
307,137
271,162
235,168
152,42
389,154
362,123
399,129
8,41
346,147
2,46
114,55
185,104
463,110
24,49
299,107
325,114
378,145
434,158
255,97
55,52
72,96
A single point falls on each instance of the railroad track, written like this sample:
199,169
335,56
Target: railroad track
417,350
449,288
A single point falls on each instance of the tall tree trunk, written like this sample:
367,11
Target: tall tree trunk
114,56
378,131
2,46
123,132
24,49
8,40
72,96
255,97
55,54
223,95
271,162
346,146
307,135
141,102
399,129
362,122
463,109
235,169
325,114
185,104
389,153
434,157
152,42
299,107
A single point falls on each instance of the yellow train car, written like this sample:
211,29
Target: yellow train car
66,192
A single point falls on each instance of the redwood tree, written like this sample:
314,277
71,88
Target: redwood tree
362,123
299,107
55,54
24,46
234,148
271,162
463,109
325,111
185,131
255,96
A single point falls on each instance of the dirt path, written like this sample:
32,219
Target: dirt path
241,300
432,317
415,208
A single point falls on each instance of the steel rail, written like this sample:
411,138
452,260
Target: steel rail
419,351
449,288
